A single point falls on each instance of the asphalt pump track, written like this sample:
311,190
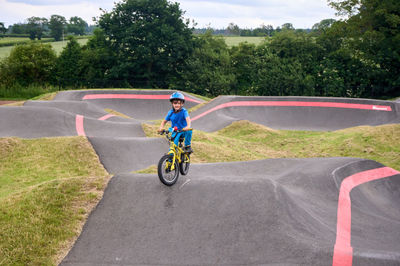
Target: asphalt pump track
320,211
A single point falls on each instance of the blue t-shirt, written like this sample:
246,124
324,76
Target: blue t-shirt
177,119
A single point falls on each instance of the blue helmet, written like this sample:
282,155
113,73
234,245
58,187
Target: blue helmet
177,96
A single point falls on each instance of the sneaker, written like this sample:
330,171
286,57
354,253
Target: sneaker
188,149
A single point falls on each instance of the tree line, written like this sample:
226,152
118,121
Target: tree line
261,31
55,27
149,44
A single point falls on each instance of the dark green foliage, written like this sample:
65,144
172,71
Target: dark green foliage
18,28
77,26
56,25
98,61
372,33
27,64
150,39
27,71
208,71
2,28
145,43
68,66
280,76
244,58
35,27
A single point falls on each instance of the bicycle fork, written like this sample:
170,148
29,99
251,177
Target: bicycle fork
170,163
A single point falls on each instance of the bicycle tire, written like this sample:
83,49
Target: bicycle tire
167,177
184,166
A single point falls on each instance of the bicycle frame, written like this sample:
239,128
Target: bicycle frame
174,150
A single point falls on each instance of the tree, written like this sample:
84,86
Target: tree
18,28
345,7
35,27
372,31
2,28
243,58
233,29
208,71
287,26
98,61
28,64
150,38
267,29
56,25
77,25
343,75
277,75
300,47
68,64
322,26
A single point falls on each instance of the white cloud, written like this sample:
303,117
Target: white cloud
16,11
217,13
56,2
251,14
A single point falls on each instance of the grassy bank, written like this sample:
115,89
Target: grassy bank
47,188
243,141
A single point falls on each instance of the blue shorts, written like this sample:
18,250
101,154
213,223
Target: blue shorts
186,134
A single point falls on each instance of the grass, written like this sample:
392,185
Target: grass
57,46
47,188
46,96
235,40
13,39
116,113
244,141
8,40
5,51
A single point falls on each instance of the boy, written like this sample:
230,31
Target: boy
179,118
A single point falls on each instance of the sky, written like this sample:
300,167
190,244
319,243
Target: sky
216,14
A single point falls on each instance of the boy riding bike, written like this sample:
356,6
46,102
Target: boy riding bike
180,119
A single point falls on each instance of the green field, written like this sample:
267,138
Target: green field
18,39
13,39
230,41
57,46
235,40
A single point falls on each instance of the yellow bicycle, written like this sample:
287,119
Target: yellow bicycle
175,161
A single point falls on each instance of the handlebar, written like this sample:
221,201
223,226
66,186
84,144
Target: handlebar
174,130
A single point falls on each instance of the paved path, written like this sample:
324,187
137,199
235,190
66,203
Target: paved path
339,211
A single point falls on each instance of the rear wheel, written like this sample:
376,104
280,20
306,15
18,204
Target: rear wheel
184,164
167,176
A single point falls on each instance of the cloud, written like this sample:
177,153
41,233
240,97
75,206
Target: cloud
216,13
17,11
251,14
56,2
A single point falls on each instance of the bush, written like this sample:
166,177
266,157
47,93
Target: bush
29,67
27,64
17,91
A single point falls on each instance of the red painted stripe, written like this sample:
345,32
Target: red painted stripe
343,252
132,96
297,104
79,125
106,117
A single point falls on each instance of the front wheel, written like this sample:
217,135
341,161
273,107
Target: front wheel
167,176
184,164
